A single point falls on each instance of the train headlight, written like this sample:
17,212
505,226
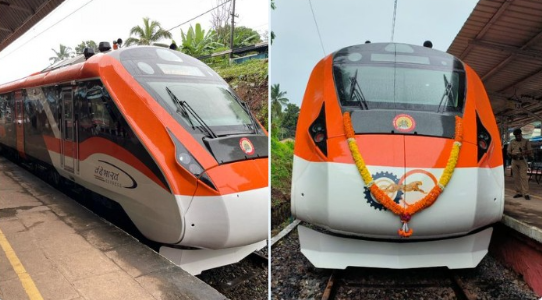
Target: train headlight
195,169
317,127
189,162
483,137
317,131
185,158
319,137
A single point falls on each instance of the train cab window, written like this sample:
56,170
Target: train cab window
427,81
215,104
195,93
408,87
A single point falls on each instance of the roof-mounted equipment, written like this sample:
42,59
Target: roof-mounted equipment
104,46
88,53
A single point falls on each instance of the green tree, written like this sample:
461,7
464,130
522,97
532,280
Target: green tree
289,120
277,101
86,44
150,33
273,6
63,53
242,36
197,42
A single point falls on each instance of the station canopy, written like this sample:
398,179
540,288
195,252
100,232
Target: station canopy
18,16
502,41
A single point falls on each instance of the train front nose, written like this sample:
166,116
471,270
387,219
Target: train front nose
238,215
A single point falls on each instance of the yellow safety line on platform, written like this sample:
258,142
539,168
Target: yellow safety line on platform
28,284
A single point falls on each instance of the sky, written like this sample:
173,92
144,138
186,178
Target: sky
75,21
340,23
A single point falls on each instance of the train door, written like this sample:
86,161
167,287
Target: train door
69,145
19,122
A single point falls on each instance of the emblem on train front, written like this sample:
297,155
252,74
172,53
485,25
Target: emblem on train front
247,146
383,180
404,123
407,190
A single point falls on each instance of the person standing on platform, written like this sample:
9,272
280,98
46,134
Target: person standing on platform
505,157
519,149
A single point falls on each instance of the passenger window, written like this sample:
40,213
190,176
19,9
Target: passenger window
99,114
3,103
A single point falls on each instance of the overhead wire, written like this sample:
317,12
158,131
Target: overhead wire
317,29
183,23
200,15
20,46
46,30
393,20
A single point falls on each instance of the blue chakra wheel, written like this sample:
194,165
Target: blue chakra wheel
383,179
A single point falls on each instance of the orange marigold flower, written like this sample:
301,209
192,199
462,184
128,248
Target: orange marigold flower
382,197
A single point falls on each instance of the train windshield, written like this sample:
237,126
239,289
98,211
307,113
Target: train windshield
214,104
397,76
173,78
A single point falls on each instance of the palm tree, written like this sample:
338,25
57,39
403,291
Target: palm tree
197,42
148,34
86,44
277,101
65,52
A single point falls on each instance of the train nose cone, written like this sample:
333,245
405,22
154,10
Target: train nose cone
236,217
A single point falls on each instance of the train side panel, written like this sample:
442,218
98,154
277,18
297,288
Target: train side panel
96,124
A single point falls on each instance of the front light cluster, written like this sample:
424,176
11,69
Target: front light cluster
186,160
483,137
317,131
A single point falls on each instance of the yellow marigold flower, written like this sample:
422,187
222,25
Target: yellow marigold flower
404,212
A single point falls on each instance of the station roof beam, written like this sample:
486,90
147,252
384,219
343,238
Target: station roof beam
18,16
502,41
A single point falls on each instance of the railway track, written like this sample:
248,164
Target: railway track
284,232
342,285
260,261
294,277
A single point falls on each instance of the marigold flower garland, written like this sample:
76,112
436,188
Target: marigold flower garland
405,213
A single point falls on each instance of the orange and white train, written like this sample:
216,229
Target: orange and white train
158,132
397,160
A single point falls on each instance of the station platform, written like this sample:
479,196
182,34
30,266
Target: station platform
523,215
517,241
51,247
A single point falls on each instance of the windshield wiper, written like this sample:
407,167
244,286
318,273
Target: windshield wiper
186,110
244,105
355,91
448,94
180,106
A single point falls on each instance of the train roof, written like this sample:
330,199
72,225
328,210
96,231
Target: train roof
394,52
79,68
